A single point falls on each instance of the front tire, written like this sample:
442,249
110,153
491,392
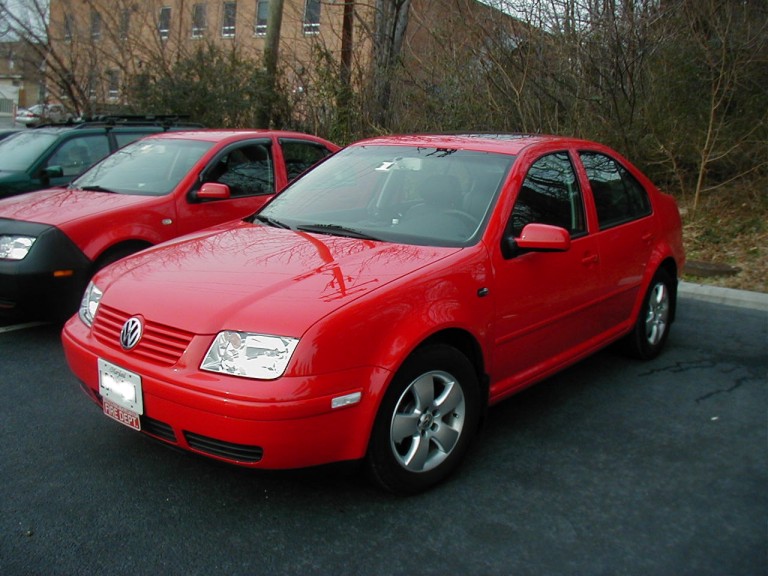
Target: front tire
426,420
653,322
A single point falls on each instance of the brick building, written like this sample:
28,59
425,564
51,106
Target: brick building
111,42
21,78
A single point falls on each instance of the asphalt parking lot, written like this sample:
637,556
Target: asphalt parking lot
611,467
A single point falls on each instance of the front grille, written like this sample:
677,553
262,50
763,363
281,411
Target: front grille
159,344
228,450
159,429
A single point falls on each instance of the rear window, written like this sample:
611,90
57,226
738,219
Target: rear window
123,138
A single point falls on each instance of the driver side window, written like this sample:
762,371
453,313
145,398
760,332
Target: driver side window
247,170
550,194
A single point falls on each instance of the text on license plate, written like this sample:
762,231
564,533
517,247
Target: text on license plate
117,412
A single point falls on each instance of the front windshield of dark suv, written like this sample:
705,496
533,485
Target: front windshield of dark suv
148,167
20,151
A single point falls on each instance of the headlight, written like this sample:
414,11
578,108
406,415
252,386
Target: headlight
90,303
250,355
15,247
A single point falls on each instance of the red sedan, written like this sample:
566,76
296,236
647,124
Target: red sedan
155,189
377,306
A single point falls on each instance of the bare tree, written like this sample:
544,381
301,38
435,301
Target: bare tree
728,40
390,25
26,21
271,55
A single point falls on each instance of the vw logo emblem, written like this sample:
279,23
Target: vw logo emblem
131,333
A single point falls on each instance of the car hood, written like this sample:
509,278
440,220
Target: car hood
255,278
60,206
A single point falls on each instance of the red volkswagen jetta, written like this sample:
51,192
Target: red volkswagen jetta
163,186
381,302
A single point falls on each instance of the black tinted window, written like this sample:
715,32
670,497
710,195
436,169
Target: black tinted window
123,138
619,197
301,155
550,195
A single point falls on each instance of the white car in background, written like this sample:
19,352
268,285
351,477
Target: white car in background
42,114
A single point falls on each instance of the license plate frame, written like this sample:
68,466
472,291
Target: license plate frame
121,392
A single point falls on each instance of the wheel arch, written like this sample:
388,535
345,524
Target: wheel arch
457,338
465,343
384,460
117,251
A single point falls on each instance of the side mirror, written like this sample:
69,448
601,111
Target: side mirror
53,172
538,238
213,191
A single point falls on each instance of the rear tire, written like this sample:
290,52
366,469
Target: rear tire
426,421
653,322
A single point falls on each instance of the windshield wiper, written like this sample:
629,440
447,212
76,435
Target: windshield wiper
337,230
271,221
95,188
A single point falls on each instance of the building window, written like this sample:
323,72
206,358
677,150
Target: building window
164,23
199,20
68,27
95,25
93,85
125,24
262,17
113,84
228,18
312,17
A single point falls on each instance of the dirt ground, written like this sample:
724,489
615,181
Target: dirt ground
726,238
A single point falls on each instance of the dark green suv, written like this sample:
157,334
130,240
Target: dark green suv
54,155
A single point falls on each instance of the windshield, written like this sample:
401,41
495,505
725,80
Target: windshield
425,196
20,151
150,167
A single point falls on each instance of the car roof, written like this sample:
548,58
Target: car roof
64,128
217,135
505,143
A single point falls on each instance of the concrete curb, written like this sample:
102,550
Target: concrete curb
726,296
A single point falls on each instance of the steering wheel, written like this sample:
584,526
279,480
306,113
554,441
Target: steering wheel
465,217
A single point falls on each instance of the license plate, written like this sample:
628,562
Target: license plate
120,386
122,415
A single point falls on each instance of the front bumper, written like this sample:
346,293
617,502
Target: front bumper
286,423
49,281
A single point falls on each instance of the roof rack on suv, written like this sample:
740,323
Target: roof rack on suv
164,121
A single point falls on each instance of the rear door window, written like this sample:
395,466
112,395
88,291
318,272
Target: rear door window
300,155
123,138
619,197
